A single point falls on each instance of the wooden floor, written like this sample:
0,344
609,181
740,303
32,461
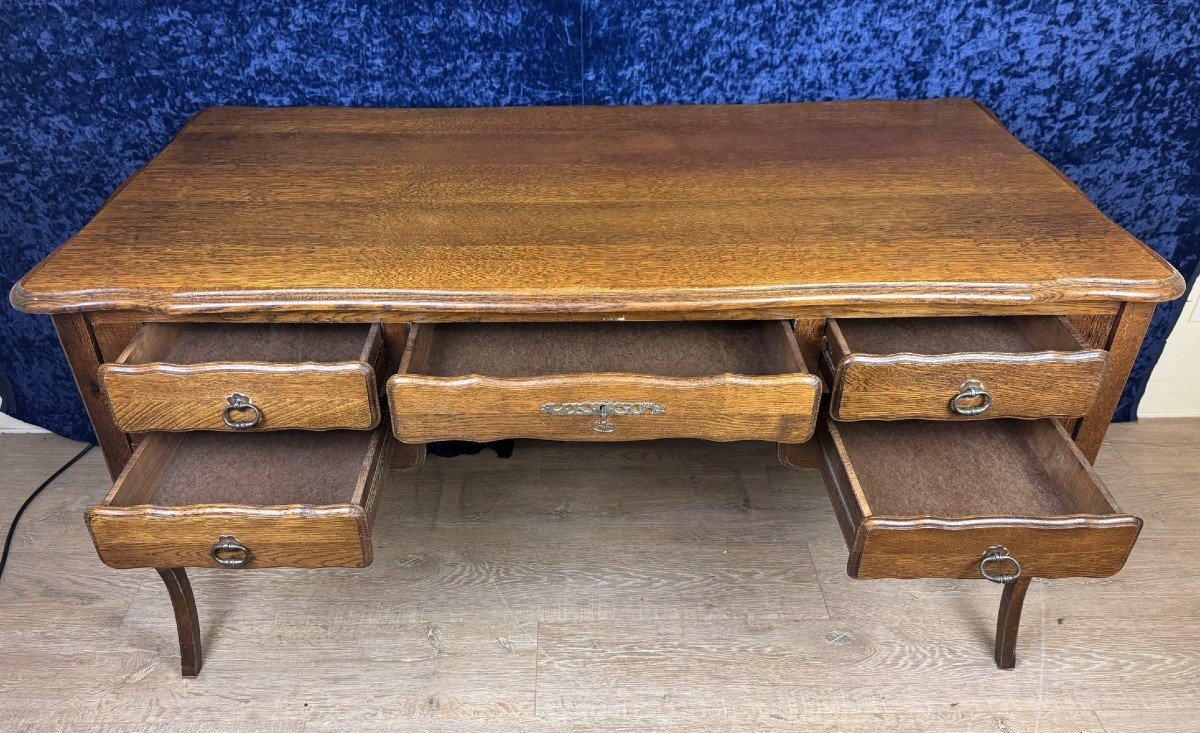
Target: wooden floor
632,587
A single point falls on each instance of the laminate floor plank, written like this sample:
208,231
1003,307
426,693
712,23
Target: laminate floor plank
578,587
26,460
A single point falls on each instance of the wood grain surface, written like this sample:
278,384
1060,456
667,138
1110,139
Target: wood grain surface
147,392
553,592
778,407
602,210
1092,539
1124,340
130,531
79,344
1056,377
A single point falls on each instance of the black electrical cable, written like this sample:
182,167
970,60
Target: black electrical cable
12,528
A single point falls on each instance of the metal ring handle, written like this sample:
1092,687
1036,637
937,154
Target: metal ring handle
970,390
238,403
999,554
230,553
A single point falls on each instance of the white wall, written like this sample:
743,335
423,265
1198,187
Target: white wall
10,424
1174,387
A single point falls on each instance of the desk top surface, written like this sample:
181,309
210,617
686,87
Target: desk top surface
594,209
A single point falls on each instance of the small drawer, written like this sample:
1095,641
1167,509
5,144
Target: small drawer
730,380
265,376
920,499
281,499
959,368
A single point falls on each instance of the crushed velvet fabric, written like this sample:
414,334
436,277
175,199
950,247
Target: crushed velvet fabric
1108,91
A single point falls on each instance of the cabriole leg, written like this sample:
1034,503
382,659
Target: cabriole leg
1009,621
187,623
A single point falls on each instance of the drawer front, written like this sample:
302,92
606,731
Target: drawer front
961,385
600,407
134,528
171,538
1059,522
335,387
604,382
309,397
917,387
1095,548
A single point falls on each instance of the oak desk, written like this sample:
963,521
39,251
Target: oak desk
285,300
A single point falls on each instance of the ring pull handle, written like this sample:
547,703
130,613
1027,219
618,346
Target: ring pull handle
241,403
997,555
230,553
970,391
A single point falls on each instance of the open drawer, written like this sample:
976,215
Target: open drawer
920,499
959,368
256,376
281,499
723,380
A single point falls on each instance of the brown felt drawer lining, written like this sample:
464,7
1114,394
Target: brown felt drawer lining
269,342
934,335
679,349
264,469
924,468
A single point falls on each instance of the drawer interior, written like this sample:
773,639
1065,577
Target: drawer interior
269,469
674,349
201,343
955,335
921,499
1009,468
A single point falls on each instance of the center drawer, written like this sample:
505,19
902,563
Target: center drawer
920,499
959,368
281,499
256,376
728,380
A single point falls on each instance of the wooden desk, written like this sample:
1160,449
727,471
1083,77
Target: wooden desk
268,272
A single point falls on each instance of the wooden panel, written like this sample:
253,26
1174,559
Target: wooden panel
595,209
1060,378
148,394
722,407
79,344
1124,341
112,337
1092,539
130,531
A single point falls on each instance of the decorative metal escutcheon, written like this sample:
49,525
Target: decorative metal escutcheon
241,403
996,555
604,410
964,403
230,553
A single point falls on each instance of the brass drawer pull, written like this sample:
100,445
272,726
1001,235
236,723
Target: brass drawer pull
240,403
230,553
971,389
999,554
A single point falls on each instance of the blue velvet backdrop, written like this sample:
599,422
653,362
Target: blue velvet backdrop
89,90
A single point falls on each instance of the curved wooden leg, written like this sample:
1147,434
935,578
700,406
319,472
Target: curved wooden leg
1009,621
187,623
407,456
